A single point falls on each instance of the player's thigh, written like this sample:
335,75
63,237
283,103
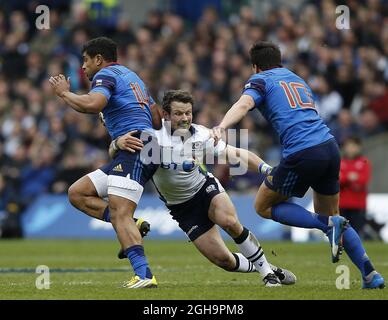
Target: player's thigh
211,245
85,186
326,204
265,199
222,212
126,178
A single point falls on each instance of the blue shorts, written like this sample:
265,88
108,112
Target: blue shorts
316,167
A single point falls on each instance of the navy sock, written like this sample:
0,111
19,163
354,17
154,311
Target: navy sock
138,261
294,215
356,252
106,215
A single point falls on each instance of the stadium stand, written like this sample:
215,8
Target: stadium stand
45,146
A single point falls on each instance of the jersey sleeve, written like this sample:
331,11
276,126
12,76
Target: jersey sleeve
255,87
104,83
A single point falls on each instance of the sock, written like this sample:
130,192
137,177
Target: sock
243,264
106,215
251,249
356,252
138,261
294,215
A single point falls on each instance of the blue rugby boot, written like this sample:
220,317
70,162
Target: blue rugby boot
338,226
376,281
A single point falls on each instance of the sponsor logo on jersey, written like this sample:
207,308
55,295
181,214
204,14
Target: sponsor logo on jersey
98,82
198,145
269,179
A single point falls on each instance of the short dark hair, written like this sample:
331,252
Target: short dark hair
265,55
104,46
176,95
355,139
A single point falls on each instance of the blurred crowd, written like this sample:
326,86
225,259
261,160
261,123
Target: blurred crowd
45,145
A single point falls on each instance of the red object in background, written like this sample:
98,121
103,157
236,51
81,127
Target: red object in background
379,106
354,179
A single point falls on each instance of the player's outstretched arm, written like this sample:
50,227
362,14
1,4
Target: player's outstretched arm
87,103
237,111
246,158
234,115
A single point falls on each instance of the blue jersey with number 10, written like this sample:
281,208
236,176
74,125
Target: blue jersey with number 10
285,100
128,106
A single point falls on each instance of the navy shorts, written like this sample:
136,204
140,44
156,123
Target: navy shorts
126,163
316,167
193,215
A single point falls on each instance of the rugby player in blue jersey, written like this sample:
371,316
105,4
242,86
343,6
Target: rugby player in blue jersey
310,158
125,105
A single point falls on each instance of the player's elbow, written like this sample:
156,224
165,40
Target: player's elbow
244,107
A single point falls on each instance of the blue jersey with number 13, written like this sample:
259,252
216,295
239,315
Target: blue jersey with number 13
285,100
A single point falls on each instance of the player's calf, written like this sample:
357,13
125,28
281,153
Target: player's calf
226,262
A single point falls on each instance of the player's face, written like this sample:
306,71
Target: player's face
90,65
351,149
181,115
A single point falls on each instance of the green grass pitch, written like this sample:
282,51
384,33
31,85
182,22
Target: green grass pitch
181,271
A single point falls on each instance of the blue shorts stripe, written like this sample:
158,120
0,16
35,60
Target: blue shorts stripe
139,167
285,184
133,174
291,184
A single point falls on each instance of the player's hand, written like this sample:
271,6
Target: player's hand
216,133
60,84
129,143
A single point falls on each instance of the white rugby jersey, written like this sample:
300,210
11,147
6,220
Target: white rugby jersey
175,185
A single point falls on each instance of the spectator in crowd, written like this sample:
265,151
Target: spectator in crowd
355,175
207,56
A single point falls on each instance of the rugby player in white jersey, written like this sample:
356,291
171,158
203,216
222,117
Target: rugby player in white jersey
195,198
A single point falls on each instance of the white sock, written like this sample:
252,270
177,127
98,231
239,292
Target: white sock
251,249
243,264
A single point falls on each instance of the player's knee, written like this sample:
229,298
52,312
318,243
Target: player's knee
229,223
263,211
74,195
117,214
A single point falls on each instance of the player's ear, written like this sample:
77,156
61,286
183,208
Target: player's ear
98,59
255,68
166,115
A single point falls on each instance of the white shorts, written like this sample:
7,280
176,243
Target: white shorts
116,185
